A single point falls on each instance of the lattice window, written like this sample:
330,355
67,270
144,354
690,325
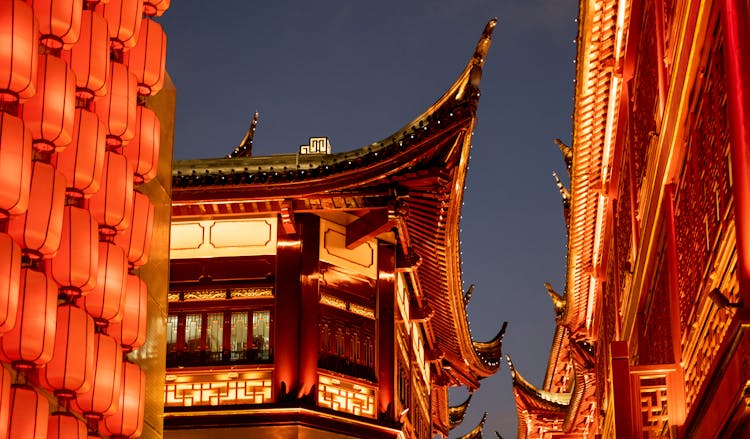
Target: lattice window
346,396
185,390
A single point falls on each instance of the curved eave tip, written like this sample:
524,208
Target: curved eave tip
484,42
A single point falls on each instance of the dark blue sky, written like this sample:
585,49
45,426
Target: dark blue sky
358,71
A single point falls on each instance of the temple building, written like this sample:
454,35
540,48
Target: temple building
652,325
319,294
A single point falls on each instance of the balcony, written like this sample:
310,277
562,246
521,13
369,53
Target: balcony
229,358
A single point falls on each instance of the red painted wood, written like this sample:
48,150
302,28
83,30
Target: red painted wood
385,327
309,303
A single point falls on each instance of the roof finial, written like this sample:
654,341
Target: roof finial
558,300
245,149
564,193
468,294
567,152
480,53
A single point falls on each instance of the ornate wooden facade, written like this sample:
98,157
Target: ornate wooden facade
653,337
321,294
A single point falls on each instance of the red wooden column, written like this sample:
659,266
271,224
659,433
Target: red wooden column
735,16
625,419
309,305
287,318
385,327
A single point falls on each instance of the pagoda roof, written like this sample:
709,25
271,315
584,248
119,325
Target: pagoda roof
422,167
476,432
456,413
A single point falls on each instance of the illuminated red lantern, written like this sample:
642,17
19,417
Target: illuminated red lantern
156,8
15,165
59,22
124,18
38,230
148,57
32,339
104,302
82,162
112,205
117,108
10,282
131,331
89,58
143,151
74,266
28,413
103,397
63,425
4,401
50,112
71,368
136,239
127,421
18,50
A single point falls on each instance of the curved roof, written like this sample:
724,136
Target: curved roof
456,413
476,432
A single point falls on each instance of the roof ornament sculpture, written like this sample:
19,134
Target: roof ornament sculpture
498,435
468,294
564,192
245,148
480,54
567,152
558,300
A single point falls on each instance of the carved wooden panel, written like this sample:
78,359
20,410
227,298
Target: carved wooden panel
216,238
347,344
655,336
226,388
704,197
346,396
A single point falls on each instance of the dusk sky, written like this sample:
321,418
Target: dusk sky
358,71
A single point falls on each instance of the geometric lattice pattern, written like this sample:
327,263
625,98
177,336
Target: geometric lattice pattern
219,389
653,402
346,396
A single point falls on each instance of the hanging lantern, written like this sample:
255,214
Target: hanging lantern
29,412
112,205
89,59
147,59
104,303
82,161
4,401
15,165
59,22
63,425
143,151
31,340
156,8
38,230
49,113
131,331
124,18
127,421
18,51
74,266
136,239
103,397
117,108
10,282
71,368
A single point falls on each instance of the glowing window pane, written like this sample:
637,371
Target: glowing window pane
215,331
239,334
193,332
171,333
261,333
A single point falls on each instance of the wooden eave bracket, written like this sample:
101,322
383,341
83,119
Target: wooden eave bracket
367,227
420,314
287,217
407,262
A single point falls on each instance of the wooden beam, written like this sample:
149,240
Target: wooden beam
368,226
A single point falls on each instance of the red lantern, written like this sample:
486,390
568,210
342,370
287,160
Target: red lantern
127,421
131,331
49,114
31,340
148,57
71,368
38,230
117,108
29,412
4,401
10,282
82,162
59,22
155,7
89,58
124,18
64,425
15,165
74,266
112,205
136,239
104,302
143,151
104,395
18,50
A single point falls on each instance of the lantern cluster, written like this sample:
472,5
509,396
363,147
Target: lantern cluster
76,141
